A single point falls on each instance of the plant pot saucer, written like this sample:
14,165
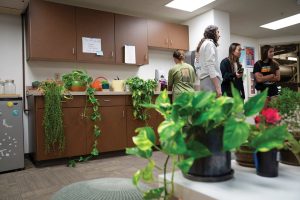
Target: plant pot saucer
224,177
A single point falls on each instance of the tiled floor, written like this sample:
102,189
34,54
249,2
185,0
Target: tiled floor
40,183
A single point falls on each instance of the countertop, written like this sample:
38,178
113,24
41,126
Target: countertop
245,185
38,93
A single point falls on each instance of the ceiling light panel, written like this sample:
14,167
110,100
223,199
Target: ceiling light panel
282,23
188,5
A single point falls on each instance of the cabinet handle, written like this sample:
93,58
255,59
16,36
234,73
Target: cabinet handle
112,54
123,113
106,100
73,51
166,41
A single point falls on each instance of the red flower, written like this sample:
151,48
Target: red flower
271,115
257,119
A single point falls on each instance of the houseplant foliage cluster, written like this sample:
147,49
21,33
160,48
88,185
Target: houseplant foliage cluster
53,116
190,111
142,92
81,78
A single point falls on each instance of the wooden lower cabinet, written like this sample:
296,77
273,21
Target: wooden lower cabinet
113,130
117,126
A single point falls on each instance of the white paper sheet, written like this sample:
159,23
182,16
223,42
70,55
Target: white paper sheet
91,45
130,57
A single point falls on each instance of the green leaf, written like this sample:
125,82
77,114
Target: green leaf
71,163
163,98
168,129
235,134
203,99
185,164
270,138
137,152
95,151
136,177
145,138
197,150
238,101
153,193
175,145
255,104
147,172
97,131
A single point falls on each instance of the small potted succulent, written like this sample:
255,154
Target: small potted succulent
77,80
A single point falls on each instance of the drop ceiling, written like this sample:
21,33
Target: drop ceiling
245,15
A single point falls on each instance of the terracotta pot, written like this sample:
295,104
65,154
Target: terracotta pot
78,88
244,157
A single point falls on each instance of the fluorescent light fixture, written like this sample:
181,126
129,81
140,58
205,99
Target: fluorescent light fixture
292,58
282,23
188,5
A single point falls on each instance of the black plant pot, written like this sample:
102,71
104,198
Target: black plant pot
214,168
266,163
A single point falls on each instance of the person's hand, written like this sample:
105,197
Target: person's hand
239,75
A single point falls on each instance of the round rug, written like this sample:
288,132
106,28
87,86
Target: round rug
101,189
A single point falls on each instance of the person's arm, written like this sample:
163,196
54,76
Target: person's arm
277,76
170,80
225,70
260,78
217,85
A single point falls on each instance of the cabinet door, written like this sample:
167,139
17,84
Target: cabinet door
131,31
95,24
75,130
178,36
113,130
158,34
51,31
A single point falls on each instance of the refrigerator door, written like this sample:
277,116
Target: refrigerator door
11,134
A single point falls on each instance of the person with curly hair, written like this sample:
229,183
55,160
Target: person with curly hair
207,66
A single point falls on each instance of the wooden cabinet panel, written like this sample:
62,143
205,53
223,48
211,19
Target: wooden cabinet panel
113,130
131,31
111,100
178,36
158,34
75,129
95,24
167,35
51,31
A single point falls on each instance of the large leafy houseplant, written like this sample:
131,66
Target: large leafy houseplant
190,111
81,78
142,92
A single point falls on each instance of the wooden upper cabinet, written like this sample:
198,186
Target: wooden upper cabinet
51,31
167,35
131,31
95,24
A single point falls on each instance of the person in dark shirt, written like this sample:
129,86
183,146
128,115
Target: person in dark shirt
266,72
232,71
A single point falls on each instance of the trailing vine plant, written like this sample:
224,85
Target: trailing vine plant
142,92
53,120
95,114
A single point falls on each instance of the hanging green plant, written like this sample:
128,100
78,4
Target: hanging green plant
86,80
142,92
53,121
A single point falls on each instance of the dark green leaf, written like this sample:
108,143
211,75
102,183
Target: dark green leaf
147,172
235,134
137,152
145,138
163,98
238,101
175,145
169,128
71,163
153,193
197,150
185,164
255,104
203,99
95,151
270,138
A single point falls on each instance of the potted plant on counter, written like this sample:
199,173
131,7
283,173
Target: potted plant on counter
196,134
77,80
142,92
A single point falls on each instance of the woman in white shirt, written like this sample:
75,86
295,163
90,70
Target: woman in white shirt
207,68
